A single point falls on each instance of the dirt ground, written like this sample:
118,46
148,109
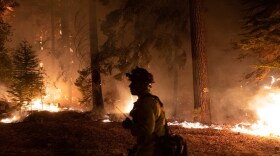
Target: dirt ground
71,133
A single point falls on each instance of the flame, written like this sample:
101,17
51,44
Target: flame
37,104
267,105
50,102
10,120
71,50
267,109
10,8
106,120
130,102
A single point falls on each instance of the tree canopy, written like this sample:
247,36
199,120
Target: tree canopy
261,35
5,61
5,31
139,26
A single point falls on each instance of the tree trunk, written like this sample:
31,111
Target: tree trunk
97,98
175,90
200,74
52,29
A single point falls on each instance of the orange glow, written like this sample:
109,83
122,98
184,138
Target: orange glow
129,104
37,104
10,120
267,108
50,102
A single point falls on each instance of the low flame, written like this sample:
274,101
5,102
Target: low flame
195,125
38,105
268,108
10,120
50,102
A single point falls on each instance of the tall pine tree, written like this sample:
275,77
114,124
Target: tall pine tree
27,75
199,60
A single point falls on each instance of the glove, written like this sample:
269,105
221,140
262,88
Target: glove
127,123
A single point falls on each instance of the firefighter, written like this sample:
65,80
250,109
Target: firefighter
148,118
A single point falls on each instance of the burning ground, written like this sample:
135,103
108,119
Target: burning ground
72,133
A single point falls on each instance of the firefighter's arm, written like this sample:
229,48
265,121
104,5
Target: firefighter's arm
145,117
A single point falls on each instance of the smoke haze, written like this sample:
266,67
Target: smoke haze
229,97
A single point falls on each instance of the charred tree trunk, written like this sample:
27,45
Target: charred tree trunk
199,59
97,98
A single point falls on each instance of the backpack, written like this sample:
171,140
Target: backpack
170,144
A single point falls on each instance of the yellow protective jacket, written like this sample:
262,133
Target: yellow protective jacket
148,123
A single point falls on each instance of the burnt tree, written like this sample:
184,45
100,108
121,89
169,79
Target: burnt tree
97,98
200,74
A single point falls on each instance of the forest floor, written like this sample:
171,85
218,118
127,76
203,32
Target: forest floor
71,133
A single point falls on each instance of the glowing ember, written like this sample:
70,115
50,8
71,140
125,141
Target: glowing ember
10,8
107,120
10,120
186,124
197,125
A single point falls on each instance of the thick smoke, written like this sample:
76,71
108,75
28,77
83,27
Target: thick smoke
229,97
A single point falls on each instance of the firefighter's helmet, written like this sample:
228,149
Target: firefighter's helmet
140,75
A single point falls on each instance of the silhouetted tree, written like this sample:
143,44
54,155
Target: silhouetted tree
6,7
27,82
199,58
261,36
138,27
84,83
5,61
97,98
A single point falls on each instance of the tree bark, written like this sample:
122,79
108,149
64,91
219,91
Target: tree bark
97,99
199,59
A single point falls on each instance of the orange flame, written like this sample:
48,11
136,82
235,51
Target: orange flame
267,108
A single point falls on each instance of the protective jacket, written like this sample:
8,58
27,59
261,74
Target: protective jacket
148,123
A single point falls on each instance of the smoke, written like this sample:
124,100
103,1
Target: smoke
229,94
117,98
3,93
60,63
229,97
